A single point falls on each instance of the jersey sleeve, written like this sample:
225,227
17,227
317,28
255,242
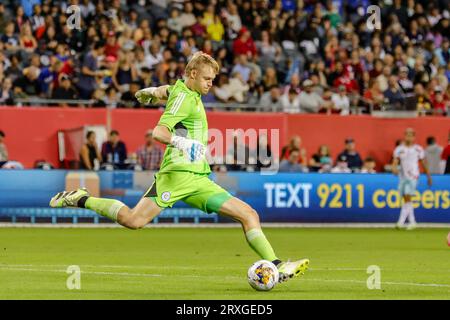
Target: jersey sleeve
396,153
421,153
178,108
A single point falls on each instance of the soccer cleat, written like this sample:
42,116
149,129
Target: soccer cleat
292,269
411,226
68,198
398,226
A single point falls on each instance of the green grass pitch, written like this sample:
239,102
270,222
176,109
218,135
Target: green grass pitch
203,263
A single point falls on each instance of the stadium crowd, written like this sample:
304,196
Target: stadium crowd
304,56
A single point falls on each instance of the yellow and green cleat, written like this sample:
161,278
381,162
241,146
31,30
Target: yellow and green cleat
68,198
291,269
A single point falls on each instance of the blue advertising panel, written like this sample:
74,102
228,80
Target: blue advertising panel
283,197
336,197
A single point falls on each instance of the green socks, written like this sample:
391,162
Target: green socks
108,208
259,243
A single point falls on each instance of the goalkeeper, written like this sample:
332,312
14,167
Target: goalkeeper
184,171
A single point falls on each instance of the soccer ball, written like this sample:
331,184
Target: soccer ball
263,275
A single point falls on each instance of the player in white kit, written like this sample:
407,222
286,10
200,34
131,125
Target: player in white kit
408,155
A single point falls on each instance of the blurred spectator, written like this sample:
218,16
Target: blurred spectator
112,46
321,161
233,89
373,96
439,101
351,155
383,78
325,42
90,156
310,102
393,94
28,84
271,100
290,102
269,51
6,92
128,99
3,149
369,165
294,84
270,78
27,40
446,156
292,163
114,151
187,17
244,44
404,82
9,39
423,103
341,102
111,97
341,165
65,91
295,143
124,72
215,30
433,153
242,67
149,155
89,70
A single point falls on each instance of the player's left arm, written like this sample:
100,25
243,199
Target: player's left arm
427,171
178,108
153,94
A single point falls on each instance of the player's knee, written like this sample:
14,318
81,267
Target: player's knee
251,216
134,224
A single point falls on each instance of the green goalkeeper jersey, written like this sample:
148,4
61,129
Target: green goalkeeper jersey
185,116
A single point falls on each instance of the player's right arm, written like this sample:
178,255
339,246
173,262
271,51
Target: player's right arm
395,161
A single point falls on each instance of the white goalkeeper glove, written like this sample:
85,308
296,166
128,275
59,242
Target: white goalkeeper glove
192,149
147,96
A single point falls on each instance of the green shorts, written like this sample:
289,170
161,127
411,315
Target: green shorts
197,190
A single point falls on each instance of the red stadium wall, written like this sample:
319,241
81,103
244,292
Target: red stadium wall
31,133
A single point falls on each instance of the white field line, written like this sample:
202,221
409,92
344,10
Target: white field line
149,267
217,225
135,267
148,275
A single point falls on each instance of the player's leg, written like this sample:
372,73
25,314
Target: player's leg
404,211
142,214
241,212
117,211
238,210
409,192
210,197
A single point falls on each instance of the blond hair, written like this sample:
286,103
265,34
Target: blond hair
199,59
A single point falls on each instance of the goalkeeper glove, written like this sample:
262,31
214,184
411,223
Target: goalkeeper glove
147,96
192,149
